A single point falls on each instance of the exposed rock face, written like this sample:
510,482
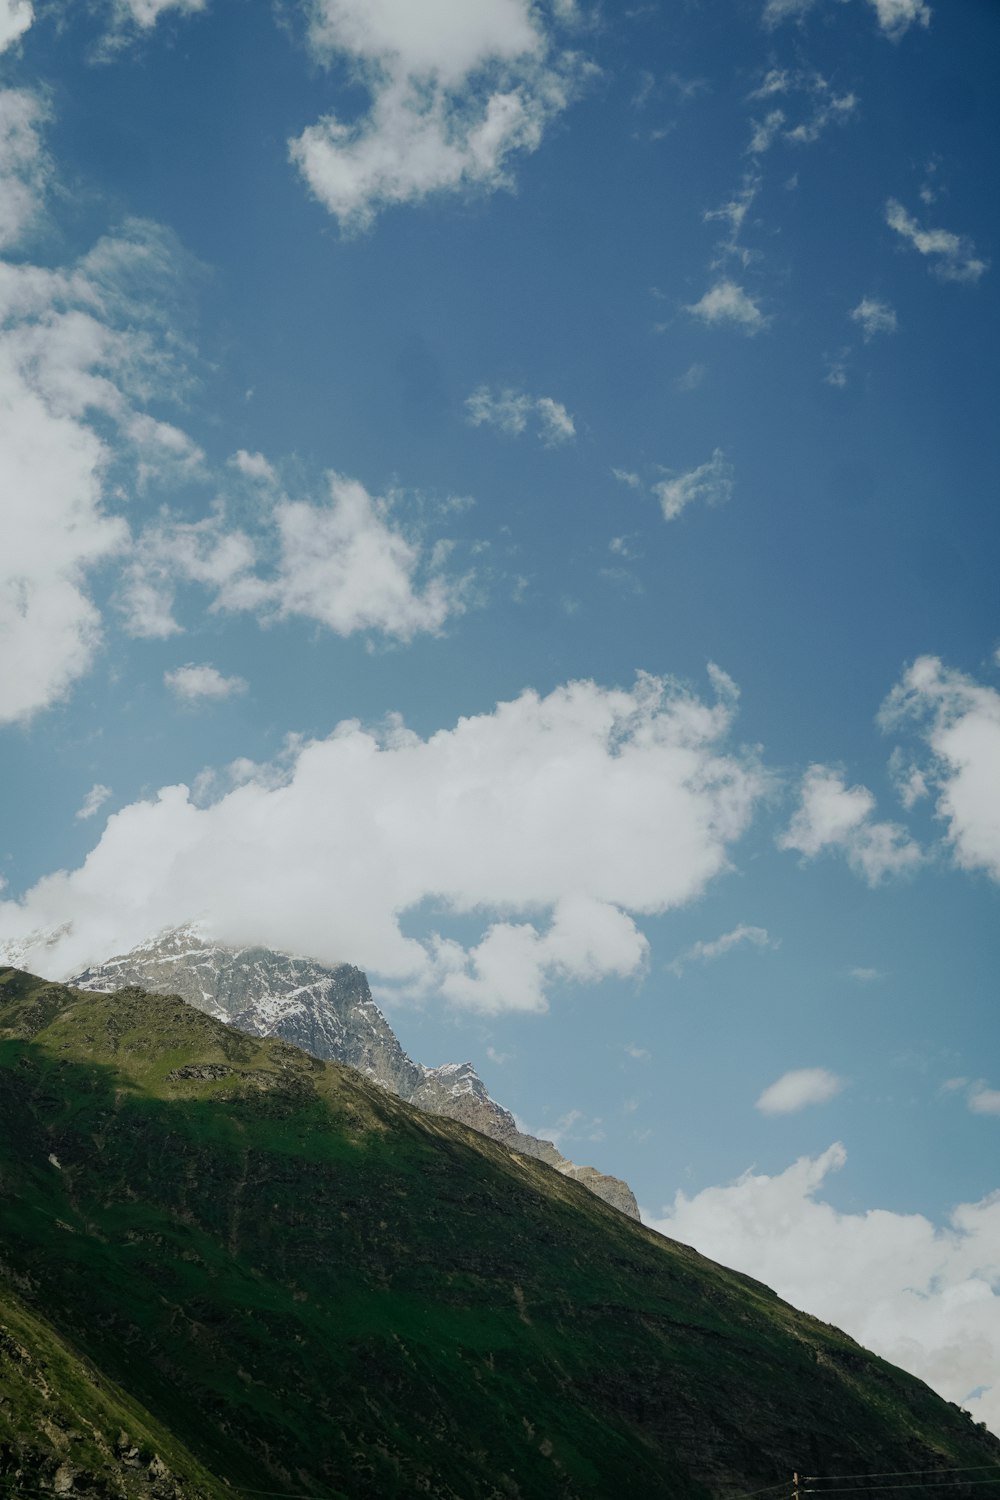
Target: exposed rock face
330,1013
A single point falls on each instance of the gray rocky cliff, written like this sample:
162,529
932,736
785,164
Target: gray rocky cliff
330,1013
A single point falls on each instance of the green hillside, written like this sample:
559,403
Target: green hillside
305,1286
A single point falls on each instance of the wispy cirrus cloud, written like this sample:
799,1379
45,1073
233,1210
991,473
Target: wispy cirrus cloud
93,801
513,412
874,316
738,937
952,256
711,483
824,107
894,17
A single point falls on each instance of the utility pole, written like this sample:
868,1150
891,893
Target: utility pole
796,1487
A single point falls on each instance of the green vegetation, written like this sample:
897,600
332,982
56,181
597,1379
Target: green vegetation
304,1285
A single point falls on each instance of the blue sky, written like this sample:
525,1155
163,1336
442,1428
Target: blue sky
504,495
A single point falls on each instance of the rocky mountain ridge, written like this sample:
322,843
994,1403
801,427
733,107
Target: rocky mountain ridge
330,1013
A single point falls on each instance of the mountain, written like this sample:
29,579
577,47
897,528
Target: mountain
330,1013
228,1266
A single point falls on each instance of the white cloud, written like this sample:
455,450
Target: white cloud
833,816
457,92
144,14
510,411
169,551
24,167
254,466
693,377
734,214
801,1087
837,370
358,830
866,975
702,952
197,684
780,10
984,1101
726,302
349,565
926,1298
345,562
711,483
828,108
764,132
959,721
875,316
78,349
94,800
831,109
955,256
895,17
15,18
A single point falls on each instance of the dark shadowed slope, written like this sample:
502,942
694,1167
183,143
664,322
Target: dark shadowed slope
330,1013
312,1287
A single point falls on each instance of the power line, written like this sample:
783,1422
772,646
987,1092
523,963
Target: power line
882,1489
939,1479
898,1473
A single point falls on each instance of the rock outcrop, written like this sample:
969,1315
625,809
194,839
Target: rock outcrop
330,1013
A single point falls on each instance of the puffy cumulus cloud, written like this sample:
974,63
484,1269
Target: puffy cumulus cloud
801,1087
204,683
511,411
958,720
15,18
345,562
923,1296
710,483
77,353
350,565
727,302
457,92
895,17
875,316
702,952
557,820
833,816
953,256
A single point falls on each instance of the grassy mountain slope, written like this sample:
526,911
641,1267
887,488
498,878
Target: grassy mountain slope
314,1288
